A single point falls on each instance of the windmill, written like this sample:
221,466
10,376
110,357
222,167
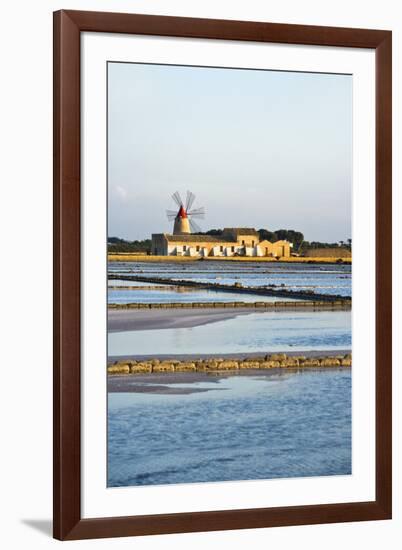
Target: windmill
184,218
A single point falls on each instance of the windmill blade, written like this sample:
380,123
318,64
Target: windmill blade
190,198
195,228
197,213
171,214
177,199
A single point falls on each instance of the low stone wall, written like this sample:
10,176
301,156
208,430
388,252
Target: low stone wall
334,253
275,360
130,257
150,287
272,290
339,304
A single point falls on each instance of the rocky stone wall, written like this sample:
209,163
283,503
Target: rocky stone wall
338,304
275,360
271,290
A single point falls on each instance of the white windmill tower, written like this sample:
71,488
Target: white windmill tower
184,223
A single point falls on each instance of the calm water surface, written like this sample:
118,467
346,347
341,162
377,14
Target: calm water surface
175,294
265,331
244,427
325,279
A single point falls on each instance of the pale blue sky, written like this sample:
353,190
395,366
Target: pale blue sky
258,148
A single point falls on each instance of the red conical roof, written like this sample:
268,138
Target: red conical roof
182,212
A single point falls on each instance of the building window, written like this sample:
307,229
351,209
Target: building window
233,248
197,248
221,248
252,243
184,248
243,243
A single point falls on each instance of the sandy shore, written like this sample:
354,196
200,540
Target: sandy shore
120,320
161,384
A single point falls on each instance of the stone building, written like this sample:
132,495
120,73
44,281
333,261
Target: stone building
234,241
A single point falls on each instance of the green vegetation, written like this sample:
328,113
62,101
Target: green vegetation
116,245
295,237
306,245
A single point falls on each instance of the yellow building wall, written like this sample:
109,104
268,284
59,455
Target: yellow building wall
198,246
247,240
279,249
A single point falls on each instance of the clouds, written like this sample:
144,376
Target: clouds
259,148
119,192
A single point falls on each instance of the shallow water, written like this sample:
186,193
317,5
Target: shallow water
117,282
280,425
264,331
324,279
175,294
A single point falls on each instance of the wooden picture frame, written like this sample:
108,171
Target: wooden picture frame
68,25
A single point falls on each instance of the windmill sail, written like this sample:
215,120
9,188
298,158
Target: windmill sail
195,228
184,217
190,198
171,214
177,198
197,213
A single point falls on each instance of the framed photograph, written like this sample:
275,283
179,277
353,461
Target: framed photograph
222,271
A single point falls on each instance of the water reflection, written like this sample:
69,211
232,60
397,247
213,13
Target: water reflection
265,331
243,428
328,279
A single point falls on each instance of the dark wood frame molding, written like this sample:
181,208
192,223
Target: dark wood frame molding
67,473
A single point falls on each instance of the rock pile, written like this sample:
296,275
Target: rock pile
275,360
307,304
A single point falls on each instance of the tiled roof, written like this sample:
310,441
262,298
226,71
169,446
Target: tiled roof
195,238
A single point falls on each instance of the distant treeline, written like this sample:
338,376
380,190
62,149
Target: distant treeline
115,244
290,235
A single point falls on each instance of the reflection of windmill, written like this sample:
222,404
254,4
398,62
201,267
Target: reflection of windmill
184,217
